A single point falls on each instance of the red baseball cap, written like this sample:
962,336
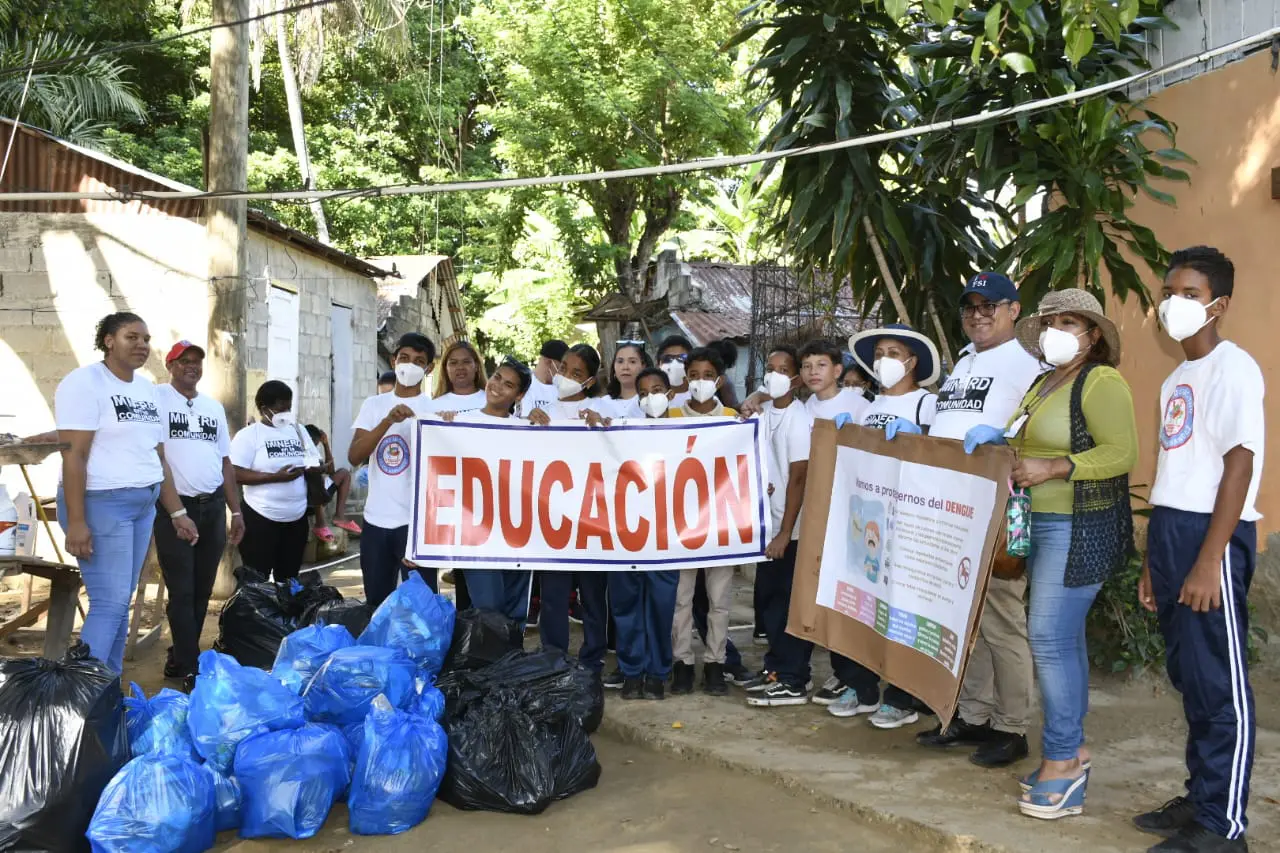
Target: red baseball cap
179,348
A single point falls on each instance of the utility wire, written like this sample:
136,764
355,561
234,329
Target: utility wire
146,45
698,165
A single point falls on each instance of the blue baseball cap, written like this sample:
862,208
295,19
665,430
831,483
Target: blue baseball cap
992,286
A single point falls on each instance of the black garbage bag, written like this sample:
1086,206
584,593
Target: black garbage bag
482,637
500,760
351,613
254,620
62,738
549,687
314,593
574,763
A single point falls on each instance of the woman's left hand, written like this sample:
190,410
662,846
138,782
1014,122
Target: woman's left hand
186,529
1033,472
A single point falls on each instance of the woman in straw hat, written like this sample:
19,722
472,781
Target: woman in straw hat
1076,442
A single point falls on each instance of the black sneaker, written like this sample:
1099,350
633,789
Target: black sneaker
1003,749
778,695
1195,838
1169,819
614,680
958,733
761,682
759,637
681,679
713,683
653,688
633,688
738,675
829,692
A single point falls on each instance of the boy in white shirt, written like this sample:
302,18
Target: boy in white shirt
1201,546
383,438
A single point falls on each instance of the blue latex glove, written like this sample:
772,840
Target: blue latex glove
900,425
982,434
843,419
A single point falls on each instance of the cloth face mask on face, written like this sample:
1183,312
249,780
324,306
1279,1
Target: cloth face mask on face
566,387
777,384
889,371
1059,346
409,374
1182,318
674,371
654,405
702,390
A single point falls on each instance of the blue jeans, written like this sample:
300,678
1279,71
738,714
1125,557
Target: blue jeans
503,590
1055,629
120,523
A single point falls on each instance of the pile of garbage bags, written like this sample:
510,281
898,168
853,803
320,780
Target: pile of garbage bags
372,720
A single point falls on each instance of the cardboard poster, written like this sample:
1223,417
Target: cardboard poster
895,553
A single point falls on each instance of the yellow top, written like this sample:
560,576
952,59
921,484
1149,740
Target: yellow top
1108,412
680,412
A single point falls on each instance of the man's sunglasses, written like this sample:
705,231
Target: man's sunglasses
681,357
986,309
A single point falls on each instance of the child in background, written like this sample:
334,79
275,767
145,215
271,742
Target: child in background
1201,547
673,359
705,376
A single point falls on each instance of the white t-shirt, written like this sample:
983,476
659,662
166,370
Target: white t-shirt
846,400
985,388
1210,405
478,417
125,420
564,410
540,395
267,449
786,434
918,406
612,407
196,440
452,402
680,399
391,465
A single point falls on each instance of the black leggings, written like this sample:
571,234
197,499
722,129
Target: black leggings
273,547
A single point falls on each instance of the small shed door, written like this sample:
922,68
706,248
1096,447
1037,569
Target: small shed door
342,390
282,342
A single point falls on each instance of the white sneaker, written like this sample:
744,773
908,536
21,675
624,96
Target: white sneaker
848,706
889,717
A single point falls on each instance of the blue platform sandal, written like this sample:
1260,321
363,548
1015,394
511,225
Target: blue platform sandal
1026,783
1070,801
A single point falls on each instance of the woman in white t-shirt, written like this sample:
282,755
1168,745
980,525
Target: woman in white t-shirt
271,456
460,383
621,399
112,475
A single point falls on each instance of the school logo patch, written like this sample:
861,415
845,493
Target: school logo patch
392,455
1179,418
964,394
129,410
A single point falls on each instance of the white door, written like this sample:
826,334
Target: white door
282,338
343,387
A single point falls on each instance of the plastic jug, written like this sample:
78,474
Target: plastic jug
8,524
28,528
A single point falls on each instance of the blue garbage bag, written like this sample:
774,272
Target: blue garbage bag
347,683
430,703
232,702
290,779
415,619
398,771
226,799
159,725
157,803
305,651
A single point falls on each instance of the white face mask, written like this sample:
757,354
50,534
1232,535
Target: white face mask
566,387
777,384
702,390
1059,346
889,371
280,420
675,372
654,405
409,374
1182,318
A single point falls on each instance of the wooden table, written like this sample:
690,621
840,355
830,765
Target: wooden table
60,606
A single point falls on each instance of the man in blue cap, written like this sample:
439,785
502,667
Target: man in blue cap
975,404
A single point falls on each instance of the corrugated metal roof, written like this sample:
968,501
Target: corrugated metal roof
724,299
703,327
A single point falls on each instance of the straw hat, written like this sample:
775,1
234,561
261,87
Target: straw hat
1072,301
863,345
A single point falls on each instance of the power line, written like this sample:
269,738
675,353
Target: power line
698,165
146,45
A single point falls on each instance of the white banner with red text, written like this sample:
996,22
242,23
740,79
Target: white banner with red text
668,494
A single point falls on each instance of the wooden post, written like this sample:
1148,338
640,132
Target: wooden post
228,158
896,296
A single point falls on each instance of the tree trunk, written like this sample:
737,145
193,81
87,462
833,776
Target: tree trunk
896,296
293,98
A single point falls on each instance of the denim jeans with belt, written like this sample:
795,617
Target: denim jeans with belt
120,523
1055,628
190,571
